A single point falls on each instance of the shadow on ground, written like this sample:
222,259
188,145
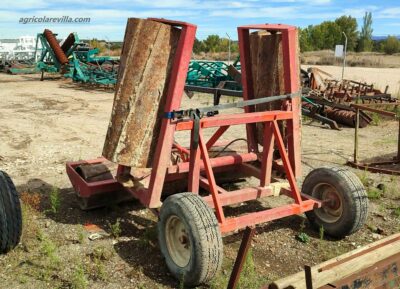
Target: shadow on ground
137,244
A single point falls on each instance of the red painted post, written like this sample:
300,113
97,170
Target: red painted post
247,84
292,85
173,102
211,180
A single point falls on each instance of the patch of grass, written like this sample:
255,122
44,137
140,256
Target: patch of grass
303,237
327,251
115,228
392,191
30,228
249,278
97,269
102,253
49,250
40,235
79,279
364,178
376,119
374,193
55,201
81,235
321,233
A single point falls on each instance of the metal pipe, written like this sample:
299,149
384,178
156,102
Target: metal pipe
229,49
345,52
398,144
356,135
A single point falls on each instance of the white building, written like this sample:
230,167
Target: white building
22,48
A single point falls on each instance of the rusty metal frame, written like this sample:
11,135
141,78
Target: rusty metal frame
198,167
375,166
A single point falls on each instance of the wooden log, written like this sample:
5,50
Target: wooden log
146,62
267,69
343,266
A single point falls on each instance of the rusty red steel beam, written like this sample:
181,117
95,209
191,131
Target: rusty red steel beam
375,110
241,257
372,167
251,219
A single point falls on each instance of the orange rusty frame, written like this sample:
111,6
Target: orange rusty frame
198,167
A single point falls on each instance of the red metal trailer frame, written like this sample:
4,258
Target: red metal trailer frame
197,166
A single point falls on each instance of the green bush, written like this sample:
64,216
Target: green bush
391,45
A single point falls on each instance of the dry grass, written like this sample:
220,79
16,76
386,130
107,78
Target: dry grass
325,57
364,59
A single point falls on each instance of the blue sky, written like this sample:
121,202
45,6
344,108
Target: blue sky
108,18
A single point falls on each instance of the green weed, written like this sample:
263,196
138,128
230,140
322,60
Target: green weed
321,233
79,279
303,237
376,120
249,278
54,200
374,193
115,228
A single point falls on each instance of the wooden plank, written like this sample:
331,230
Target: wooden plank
343,266
146,63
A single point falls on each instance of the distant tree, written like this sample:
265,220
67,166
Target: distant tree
391,45
234,46
305,39
100,45
197,46
324,35
332,34
365,42
212,43
348,25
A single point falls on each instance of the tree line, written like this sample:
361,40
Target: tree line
329,33
320,37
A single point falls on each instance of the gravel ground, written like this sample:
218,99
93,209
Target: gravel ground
44,124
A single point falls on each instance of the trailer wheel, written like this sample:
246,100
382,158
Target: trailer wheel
190,239
10,214
345,206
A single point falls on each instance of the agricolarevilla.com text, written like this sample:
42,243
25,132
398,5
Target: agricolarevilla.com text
54,20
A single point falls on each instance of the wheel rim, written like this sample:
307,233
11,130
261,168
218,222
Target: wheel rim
332,207
178,241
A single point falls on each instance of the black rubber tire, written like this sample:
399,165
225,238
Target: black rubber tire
10,214
352,193
206,248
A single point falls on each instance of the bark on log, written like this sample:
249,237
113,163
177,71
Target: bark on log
146,62
267,70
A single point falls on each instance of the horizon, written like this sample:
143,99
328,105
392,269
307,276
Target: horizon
221,17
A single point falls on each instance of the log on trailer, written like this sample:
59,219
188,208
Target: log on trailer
146,62
267,69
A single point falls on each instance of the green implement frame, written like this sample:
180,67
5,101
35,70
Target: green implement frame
211,74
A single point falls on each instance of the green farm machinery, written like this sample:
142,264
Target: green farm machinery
213,74
73,59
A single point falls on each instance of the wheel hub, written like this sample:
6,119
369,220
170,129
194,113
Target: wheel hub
178,241
332,208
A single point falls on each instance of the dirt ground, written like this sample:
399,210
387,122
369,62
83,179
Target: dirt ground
45,124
